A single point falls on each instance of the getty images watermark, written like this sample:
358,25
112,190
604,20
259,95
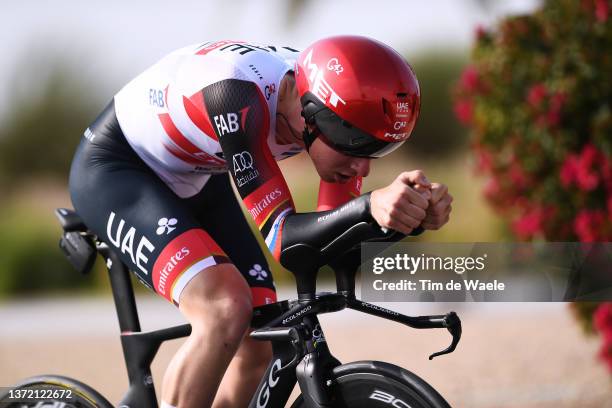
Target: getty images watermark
530,272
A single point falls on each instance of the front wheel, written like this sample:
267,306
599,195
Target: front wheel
52,391
374,384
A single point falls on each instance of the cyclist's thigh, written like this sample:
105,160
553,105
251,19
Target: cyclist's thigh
218,211
134,212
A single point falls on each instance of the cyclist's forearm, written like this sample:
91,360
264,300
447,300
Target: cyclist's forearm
314,231
333,195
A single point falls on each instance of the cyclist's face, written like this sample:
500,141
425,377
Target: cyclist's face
336,167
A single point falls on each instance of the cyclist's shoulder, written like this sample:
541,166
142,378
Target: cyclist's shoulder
245,50
247,56
213,61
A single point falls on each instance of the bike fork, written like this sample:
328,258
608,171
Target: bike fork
299,356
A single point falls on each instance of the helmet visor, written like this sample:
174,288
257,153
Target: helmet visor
375,149
341,135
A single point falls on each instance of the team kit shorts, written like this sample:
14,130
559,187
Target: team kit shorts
163,238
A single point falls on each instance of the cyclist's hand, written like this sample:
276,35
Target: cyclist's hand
399,206
439,209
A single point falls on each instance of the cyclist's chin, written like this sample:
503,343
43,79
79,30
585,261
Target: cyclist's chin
329,178
334,177
341,178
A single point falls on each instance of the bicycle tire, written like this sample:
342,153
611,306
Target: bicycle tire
83,396
375,384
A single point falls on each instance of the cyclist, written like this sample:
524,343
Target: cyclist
150,178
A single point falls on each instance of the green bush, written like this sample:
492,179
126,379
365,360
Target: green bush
30,258
537,98
45,119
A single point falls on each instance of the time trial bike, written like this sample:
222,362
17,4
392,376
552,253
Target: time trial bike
300,352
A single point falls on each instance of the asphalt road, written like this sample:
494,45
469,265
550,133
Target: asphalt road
511,355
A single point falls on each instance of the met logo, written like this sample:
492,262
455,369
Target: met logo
319,86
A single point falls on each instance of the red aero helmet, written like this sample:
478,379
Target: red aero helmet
360,93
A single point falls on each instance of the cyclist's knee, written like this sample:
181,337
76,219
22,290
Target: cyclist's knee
218,297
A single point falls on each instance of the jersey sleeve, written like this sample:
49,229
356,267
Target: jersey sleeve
241,121
332,195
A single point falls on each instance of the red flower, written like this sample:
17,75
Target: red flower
492,189
606,354
568,170
601,10
470,79
602,318
589,153
586,178
464,110
587,224
529,224
495,195
553,118
581,169
484,159
606,171
517,175
606,334
536,95
557,100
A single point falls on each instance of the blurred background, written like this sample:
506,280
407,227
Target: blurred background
515,119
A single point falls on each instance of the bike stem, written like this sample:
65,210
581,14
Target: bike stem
277,329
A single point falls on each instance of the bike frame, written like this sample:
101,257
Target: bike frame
140,348
300,352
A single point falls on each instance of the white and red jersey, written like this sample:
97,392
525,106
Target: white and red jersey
211,108
164,118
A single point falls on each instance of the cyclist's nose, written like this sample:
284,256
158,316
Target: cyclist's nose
361,165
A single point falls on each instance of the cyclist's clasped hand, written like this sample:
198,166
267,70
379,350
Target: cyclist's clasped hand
402,206
439,209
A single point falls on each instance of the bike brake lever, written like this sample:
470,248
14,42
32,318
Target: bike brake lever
453,325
